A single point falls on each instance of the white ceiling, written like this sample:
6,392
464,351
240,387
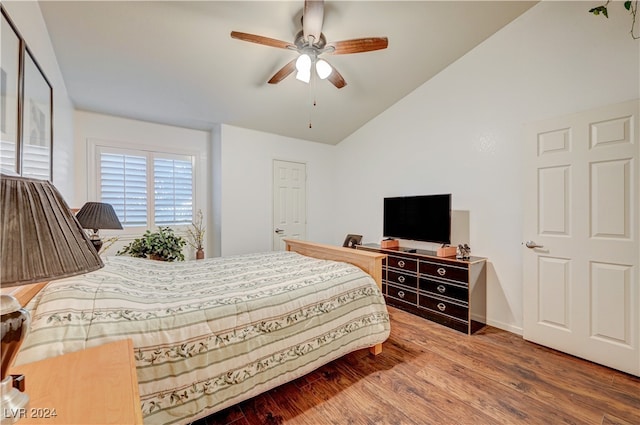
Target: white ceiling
174,62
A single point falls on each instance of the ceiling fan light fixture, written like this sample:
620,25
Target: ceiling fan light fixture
303,76
323,69
303,64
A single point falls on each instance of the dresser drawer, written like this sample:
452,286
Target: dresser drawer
459,293
444,307
405,279
445,271
403,294
402,263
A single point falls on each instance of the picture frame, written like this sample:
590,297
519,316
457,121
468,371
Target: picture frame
9,97
37,127
26,108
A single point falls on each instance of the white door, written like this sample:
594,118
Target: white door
581,292
289,202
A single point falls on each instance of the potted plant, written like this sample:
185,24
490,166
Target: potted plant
196,235
162,245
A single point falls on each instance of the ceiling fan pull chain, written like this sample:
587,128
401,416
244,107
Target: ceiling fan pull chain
312,96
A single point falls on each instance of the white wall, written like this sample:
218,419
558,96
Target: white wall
28,19
461,132
246,184
137,135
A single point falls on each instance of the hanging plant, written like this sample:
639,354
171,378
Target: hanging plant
631,6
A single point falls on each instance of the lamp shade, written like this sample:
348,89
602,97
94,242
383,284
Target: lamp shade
98,215
41,239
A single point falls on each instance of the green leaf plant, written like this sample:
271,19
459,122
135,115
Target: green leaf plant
630,5
161,245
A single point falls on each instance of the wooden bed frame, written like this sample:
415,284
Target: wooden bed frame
370,262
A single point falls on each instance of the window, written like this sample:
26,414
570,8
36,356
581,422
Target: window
146,188
173,181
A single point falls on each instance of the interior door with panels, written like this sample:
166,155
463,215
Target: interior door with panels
289,202
580,267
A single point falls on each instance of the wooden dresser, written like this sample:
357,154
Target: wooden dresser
445,290
98,385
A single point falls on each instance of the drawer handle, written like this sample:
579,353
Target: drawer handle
400,263
401,294
441,307
401,279
441,289
441,271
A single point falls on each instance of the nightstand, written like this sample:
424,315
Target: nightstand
98,385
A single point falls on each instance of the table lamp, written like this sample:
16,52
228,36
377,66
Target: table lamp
96,216
40,241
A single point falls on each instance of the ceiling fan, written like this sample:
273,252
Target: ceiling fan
310,43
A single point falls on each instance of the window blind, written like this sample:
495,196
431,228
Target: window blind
7,155
36,161
147,189
173,185
123,184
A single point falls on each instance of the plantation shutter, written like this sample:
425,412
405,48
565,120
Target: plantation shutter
36,161
173,185
123,184
7,156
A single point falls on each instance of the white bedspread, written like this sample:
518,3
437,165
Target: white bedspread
210,333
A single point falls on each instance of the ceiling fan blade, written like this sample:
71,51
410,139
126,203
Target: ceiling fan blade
336,78
359,45
266,41
312,18
283,72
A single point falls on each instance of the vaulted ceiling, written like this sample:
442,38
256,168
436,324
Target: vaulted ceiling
174,62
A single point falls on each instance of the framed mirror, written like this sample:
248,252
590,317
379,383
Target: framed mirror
26,108
37,111
9,84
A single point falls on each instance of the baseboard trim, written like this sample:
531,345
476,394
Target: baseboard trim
506,327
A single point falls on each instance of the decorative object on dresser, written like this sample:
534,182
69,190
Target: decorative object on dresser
390,243
96,216
352,240
446,251
463,252
445,290
40,241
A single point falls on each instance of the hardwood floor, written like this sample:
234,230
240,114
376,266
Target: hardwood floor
429,374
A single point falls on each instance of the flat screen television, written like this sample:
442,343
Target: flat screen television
424,218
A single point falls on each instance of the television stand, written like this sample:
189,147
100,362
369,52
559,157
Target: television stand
445,290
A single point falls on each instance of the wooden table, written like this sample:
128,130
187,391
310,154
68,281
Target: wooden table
98,385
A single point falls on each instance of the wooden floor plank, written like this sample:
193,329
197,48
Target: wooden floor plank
541,374
429,374
422,402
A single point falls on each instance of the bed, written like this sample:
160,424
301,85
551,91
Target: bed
208,334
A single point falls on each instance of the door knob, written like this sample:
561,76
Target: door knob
279,231
532,245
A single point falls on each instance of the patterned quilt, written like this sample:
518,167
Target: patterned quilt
210,333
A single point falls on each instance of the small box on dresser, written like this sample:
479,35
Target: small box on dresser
445,290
